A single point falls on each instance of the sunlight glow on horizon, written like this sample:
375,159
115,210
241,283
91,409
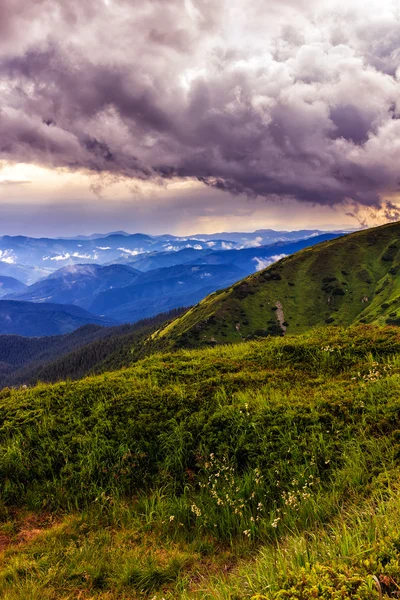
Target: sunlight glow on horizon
180,207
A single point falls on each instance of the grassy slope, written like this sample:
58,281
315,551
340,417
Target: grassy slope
329,282
146,474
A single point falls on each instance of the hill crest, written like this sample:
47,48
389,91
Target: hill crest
348,280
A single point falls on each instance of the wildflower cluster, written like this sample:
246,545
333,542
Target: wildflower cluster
275,522
240,502
229,492
293,498
223,485
374,373
328,349
298,493
196,510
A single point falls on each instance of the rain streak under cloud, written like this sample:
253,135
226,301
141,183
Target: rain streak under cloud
269,99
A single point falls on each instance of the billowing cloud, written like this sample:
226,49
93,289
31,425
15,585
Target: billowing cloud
132,252
253,243
263,263
228,93
7,256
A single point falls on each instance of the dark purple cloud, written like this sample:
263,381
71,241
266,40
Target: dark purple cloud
231,95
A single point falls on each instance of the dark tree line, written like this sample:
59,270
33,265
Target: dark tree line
89,349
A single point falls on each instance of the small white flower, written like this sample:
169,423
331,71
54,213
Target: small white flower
275,522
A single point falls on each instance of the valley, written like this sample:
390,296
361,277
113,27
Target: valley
246,447
125,291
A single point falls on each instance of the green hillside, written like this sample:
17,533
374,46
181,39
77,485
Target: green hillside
352,279
262,470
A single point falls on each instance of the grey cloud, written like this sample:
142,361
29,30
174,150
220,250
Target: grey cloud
179,40
156,90
350,123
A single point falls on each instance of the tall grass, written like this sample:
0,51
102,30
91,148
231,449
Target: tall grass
283,443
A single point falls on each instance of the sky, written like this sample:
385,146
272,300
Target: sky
187,116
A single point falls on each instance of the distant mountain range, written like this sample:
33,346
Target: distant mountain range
123,294
78,284
51,254
266,236
24,274
162,290
155,282
30,259
10,285
247,259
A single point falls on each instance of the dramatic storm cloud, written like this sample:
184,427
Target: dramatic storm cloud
273,99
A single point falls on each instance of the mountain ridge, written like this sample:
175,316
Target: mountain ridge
29,258
40,319
351,279
77,284
10,285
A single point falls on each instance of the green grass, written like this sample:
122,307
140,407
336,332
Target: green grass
348,280
64,445
96,556
268,469
354,556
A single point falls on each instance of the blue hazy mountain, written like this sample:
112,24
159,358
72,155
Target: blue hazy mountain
264,237
30,259
126,295
159,260
164,289
10,285
256,259
78,284
20,252
248,259
25,274
166,280
31,320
